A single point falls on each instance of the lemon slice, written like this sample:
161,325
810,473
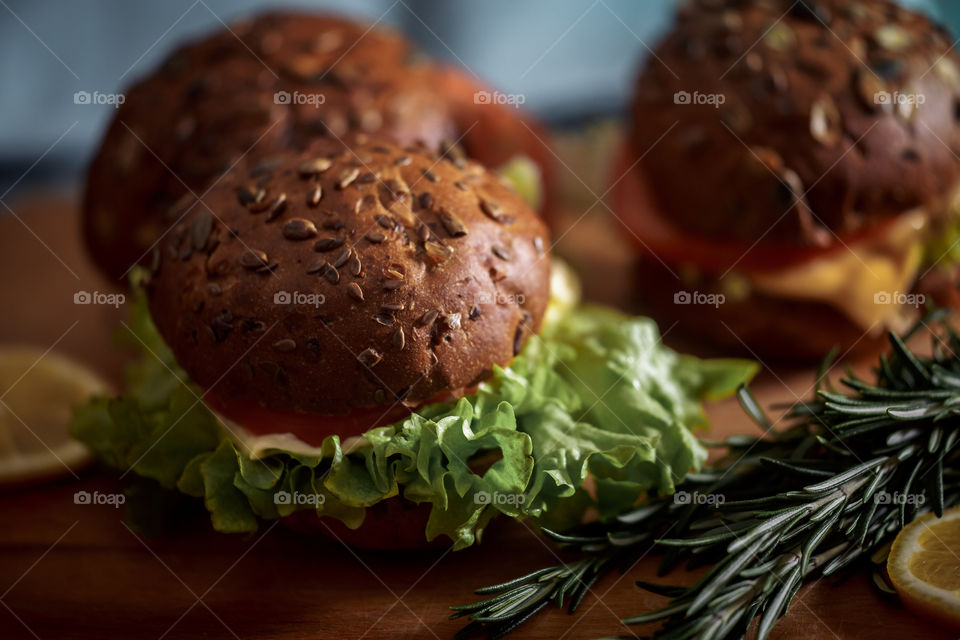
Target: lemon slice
38,391
924,566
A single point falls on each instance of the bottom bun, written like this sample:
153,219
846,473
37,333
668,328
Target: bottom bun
776,329
757,326
391,524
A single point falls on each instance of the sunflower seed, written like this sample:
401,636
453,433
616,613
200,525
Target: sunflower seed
253,259
375,237
384,221
367,178
399,340
355,267
892,37
385,319
200,229
501,252
452,223
260,205
285,346
460,184
327,244
317,267
780,37
248,197
355,291
493,210
370,357
346,178
392,285
437,252
428,318
277,207
342,258
947,71
426,200
313,197
299,229
538,246
331,274
403,161
431,176
825,121
313,167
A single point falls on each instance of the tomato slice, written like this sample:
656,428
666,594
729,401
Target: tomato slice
313,428
634,204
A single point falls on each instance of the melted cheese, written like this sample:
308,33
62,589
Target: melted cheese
862,281
260,446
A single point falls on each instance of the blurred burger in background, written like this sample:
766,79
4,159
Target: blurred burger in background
795,169
278,82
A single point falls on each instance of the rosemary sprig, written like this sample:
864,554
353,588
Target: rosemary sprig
829,491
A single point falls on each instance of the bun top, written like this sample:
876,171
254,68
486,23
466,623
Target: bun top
260,87
341,279
797,120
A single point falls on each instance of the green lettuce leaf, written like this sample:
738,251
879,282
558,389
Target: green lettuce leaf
596,396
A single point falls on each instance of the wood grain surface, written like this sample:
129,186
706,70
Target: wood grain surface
76,571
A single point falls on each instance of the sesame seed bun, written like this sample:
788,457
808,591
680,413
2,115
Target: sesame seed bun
265,85
342,279
818,133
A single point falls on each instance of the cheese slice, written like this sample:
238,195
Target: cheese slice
866,282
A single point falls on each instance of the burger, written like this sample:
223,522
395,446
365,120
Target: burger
794,165
272,83
371,340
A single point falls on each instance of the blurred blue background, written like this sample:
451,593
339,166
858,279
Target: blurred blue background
574,60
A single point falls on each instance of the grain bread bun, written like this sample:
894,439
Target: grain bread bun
799,121
264,85
350,278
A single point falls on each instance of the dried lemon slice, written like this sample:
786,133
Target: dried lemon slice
38,391
924,567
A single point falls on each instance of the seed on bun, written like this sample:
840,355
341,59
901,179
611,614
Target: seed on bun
350,277
794,160
266,85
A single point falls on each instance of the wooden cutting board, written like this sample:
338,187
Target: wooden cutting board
75,571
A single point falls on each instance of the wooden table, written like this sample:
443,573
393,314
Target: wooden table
76,571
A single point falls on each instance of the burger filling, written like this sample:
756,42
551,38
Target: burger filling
595,394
